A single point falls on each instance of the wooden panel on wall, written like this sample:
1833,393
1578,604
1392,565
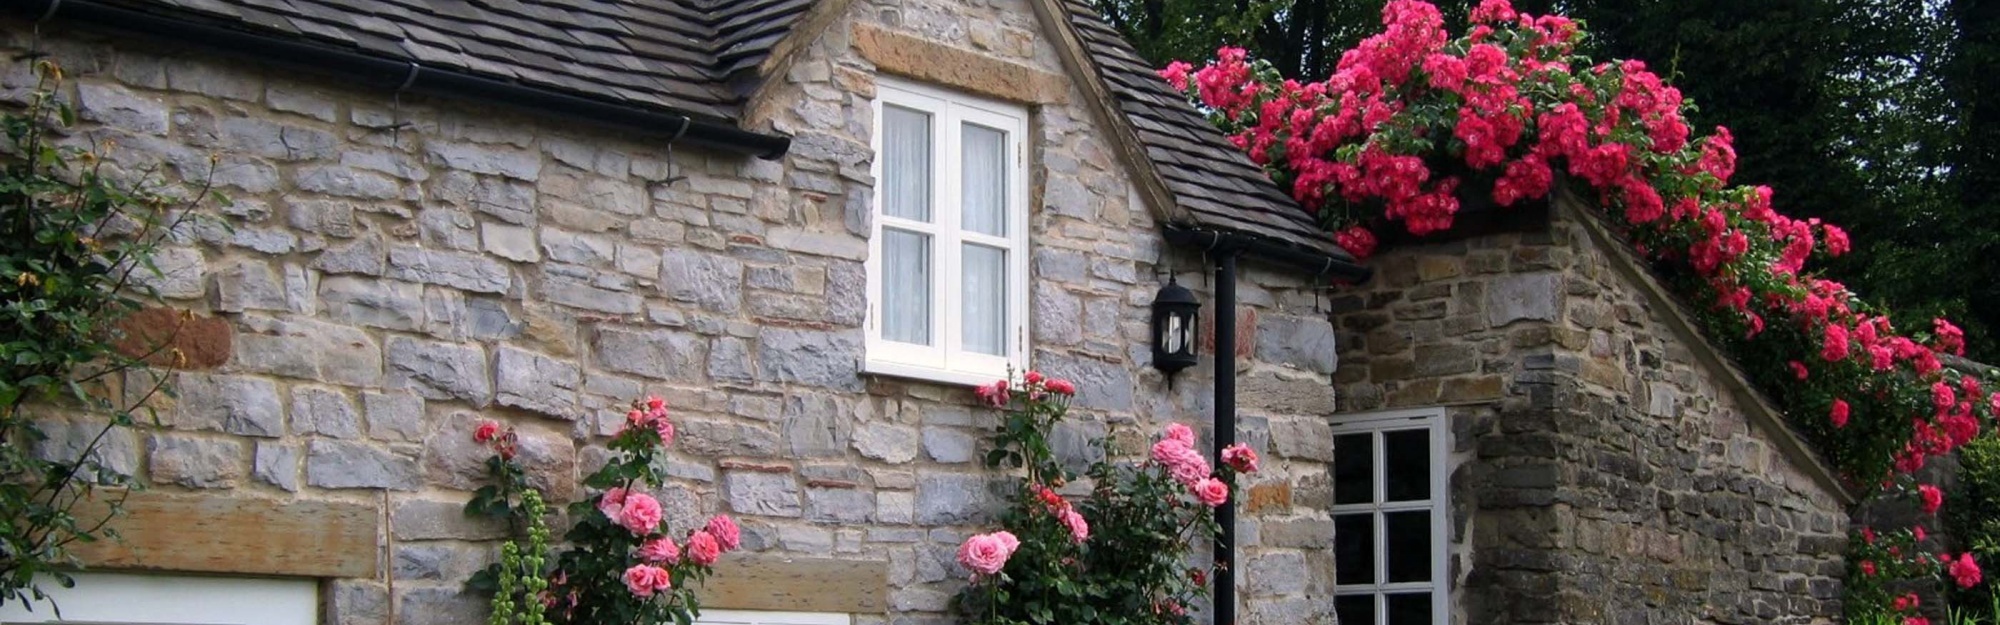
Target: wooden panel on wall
762,582
241,535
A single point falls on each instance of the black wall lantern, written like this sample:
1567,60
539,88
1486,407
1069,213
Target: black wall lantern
1174,316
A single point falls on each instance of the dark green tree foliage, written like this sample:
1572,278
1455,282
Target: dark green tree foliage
1880,115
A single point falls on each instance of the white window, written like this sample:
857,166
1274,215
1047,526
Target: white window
760,617
948,261
1389,517
120,598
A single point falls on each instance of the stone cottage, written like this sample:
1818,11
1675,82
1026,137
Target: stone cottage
812,225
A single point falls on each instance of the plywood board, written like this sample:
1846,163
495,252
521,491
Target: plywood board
765,582
240,535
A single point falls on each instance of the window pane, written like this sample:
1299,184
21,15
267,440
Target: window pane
906,163
1406,538
1353,468
906,287
1354,548
1406,456
1354,609
1409,609
984,195
985,312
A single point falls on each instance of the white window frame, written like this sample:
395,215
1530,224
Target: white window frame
116,598
1439,505
764,617
946,361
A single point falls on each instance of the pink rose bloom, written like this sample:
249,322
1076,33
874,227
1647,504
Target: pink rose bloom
612,503
1079,529
641,514
1211,491
1240,457
1838,414
645,579
1182,433
1933,498
1032,377
1167,449
660,550
994,394
986,554
1964,570
725,532
1060,386
703,549
487,431
1188,467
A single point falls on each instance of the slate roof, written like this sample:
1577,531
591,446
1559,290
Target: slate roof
679,55
1210,178
695,57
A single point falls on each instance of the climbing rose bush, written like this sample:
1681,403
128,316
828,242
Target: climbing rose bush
622,564
1416,125
1118,554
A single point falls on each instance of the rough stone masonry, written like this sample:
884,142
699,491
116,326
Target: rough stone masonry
391,272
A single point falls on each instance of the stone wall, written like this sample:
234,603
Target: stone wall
392,272
1599,473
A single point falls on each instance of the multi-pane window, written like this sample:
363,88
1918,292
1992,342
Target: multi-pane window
1389,519
947,265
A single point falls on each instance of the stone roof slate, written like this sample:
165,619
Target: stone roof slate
678,55
694,56
1211,179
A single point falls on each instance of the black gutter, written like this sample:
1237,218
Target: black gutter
1317,262
408,76
1225,431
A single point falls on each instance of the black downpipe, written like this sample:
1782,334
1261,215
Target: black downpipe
402,75
1225,432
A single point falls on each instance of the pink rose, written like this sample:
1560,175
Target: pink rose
487,431
725,532
1838,414
1060,386
994,394
1187,465
660,550
641,514
703,549
1079,529
986,554
1240,457
1167,449
1964,570
612,503
1032,377
645,579
1933,498
1182,433
1211,491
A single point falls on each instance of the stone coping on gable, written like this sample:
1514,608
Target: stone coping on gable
1756,407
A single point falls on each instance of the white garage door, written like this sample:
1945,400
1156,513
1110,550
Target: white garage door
752,617
129,599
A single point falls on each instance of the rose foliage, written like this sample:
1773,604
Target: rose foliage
1415,124
1118,554
621,564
